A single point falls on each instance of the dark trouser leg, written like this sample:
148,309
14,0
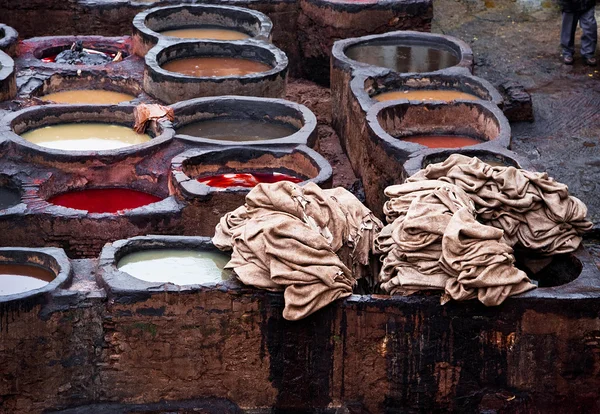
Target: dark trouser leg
567,33
589,38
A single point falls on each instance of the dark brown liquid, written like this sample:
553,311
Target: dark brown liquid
442,141
215,66
237,130
403,58
19,278
9,198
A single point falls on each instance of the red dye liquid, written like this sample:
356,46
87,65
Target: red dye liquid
247,179
104,200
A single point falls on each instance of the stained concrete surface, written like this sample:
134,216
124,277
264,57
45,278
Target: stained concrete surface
519,40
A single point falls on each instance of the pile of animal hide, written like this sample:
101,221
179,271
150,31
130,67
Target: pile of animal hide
452,226
309,242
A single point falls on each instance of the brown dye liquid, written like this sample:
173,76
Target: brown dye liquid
88,96
19,278
237,129
206,32
403,58
215,66
426,95
442,141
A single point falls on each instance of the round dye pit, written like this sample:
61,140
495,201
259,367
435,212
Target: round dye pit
237,130
85,137
79,55
247,121
79,52
403,57
198,21
30,272
104,200
454,124
177,266
215,66
190,69
69,131
497,157
444,95
21,278
88,96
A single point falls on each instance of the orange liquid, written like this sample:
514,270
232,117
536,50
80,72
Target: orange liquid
426,95
442,141
88,96
214,33
215,66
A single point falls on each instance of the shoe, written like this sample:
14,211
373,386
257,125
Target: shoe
590,61
567,60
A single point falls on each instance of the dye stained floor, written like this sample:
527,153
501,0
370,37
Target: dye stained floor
565,137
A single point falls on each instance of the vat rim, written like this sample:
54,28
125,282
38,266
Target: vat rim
306,135
164,46
340,59
357,83
197,190
378,133
91,111
63,276
118,282
139,21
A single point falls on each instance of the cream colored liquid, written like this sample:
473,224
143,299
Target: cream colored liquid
177,266
85,137
215,66
88,96
206,33
426,95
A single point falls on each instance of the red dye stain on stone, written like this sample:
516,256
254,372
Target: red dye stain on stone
104,200
247,179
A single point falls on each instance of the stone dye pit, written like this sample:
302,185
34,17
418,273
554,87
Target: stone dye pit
247,68
118,328
27,274
245,121
198,22
81,129
156,260
191,171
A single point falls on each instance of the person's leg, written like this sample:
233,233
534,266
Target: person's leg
589,38
567,35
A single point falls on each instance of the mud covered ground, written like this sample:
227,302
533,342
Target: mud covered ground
318,100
